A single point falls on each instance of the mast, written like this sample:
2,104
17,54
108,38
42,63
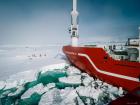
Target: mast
139,43
74,24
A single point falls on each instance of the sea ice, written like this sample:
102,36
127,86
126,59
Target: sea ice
58,88
73,71
51,85
51,97
89,91
10,84
74,79
39,88
87,80
2,84
22,77
18,91
59,66
70,99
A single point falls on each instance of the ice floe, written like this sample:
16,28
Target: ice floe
39,88
22,77
58,84
2,84
74,79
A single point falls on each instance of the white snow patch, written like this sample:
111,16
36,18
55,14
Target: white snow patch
20,88
89,92
1,50
53,66
2,84
112,89
52,97
51,85
21,57
74,79
55,96
38,88
66,91
72,71
69,99
87,80
10,84
22,77
121,91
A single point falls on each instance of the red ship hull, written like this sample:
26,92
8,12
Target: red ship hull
97,63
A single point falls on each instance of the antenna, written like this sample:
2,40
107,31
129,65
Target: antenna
74,24
74,5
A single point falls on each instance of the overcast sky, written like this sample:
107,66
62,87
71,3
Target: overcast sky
43,22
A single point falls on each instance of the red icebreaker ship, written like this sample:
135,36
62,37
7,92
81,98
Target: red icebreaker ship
98,63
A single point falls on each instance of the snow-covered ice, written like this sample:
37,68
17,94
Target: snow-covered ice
72,71
53,67
2,84
38,88
10,84
14,59
51,97
69,99
20,77
88,91
74,79
20,82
